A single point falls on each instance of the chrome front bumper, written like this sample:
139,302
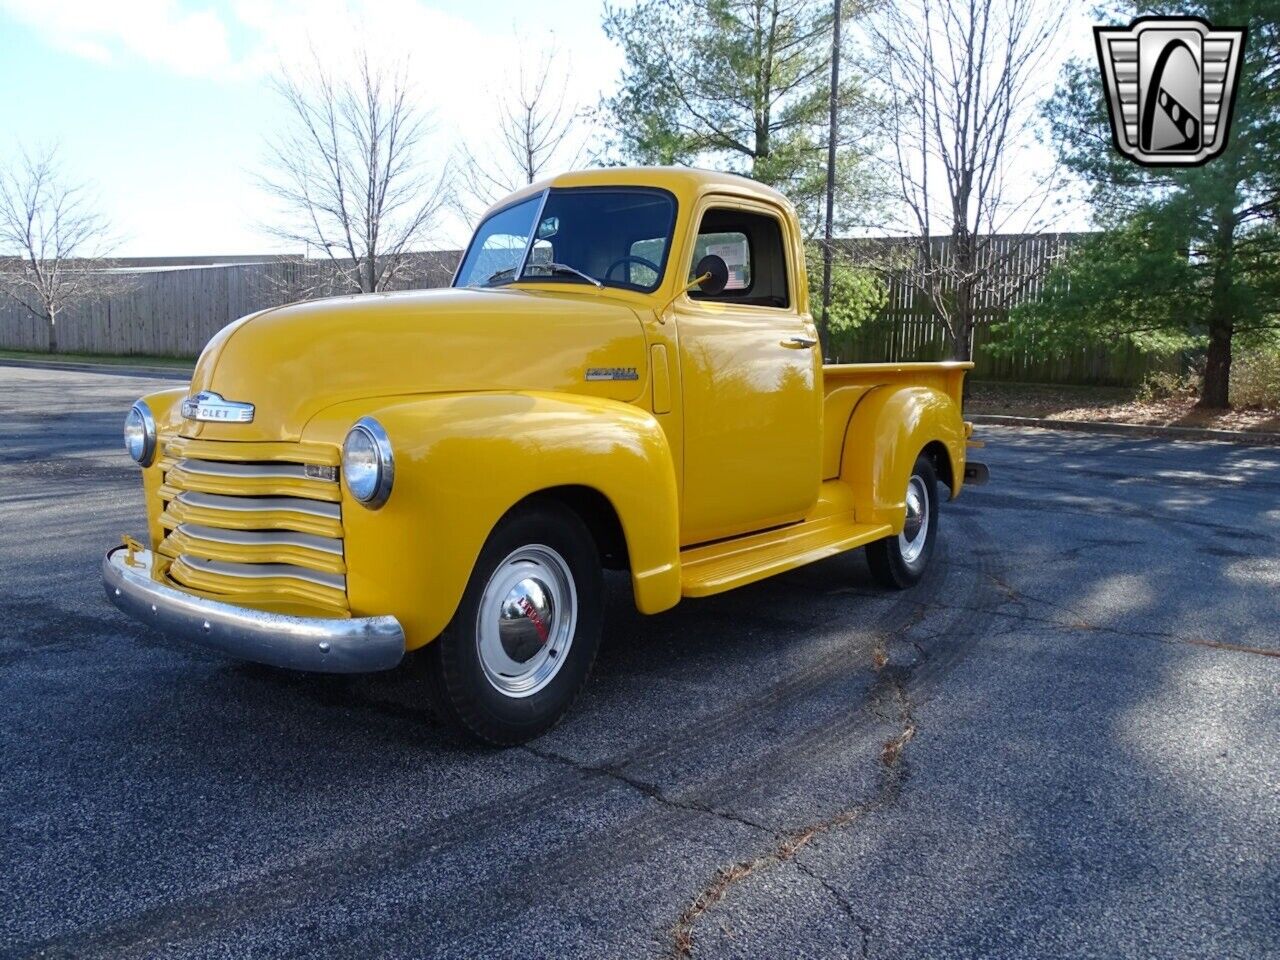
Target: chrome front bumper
356,645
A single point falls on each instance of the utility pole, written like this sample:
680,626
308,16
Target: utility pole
832,136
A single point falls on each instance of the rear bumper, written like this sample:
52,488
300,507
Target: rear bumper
356,645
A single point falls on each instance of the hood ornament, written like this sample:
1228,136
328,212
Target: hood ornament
209,406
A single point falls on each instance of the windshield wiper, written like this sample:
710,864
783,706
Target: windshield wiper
565,268
499,274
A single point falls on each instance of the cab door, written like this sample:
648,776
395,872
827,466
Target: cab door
750,373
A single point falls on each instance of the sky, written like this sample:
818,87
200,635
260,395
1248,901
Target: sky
164,106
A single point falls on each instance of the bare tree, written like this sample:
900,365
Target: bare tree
53,240
351,174
961,78
536,134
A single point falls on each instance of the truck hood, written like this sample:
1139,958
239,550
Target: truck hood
292,362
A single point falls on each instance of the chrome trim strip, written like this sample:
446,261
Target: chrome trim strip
355,645
265,538
217,501
264,571
226,468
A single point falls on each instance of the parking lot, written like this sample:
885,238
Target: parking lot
1064,743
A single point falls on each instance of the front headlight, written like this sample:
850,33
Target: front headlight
140,434
367,466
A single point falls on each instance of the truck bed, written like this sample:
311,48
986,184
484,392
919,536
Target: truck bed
844,384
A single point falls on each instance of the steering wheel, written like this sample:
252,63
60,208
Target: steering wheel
623,260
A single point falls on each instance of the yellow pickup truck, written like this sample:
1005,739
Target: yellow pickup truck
624,374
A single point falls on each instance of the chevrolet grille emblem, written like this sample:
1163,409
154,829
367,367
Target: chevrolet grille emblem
209,406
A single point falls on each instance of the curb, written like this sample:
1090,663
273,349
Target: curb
120,370
1130,429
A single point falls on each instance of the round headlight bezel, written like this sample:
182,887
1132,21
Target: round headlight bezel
370,430
147,454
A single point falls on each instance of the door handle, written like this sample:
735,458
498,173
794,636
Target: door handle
799,343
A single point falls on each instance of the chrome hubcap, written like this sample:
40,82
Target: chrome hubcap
528,614
916,529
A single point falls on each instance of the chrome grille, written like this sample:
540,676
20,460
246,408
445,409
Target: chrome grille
254,538
255,470
266,571
259,524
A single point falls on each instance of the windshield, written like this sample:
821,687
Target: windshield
611,236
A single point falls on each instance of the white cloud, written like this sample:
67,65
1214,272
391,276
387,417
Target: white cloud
457,64
188,42
452,57
457,59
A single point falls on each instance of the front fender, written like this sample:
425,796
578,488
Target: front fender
889,428
463,460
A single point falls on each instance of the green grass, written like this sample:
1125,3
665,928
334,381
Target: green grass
128,360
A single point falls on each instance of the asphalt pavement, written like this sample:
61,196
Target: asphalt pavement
1065,743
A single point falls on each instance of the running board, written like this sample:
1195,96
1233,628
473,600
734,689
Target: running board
721,566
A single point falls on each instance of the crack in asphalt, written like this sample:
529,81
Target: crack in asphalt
1079,623
792,843
1100,508
653,791
841,901
892,683
190,917
1084,626
1233,647
1019,597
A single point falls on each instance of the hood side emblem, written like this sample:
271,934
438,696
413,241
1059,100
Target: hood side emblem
209,406
612,373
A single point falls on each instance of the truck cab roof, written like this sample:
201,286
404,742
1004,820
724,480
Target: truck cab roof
686,183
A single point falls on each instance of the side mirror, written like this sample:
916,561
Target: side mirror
713,274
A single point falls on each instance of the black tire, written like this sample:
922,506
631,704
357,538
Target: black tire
462,692
893,563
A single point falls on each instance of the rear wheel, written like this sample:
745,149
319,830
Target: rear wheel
520,646
900,561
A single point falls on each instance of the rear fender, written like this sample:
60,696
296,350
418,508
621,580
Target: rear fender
464,460
888,430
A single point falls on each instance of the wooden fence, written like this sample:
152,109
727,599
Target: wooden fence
908,329
171,311
895,336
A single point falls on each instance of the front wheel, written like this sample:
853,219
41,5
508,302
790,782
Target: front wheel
520,646
900,561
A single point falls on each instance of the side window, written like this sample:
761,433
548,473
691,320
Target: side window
734,250
752,246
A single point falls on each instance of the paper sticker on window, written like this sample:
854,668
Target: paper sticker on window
734,253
